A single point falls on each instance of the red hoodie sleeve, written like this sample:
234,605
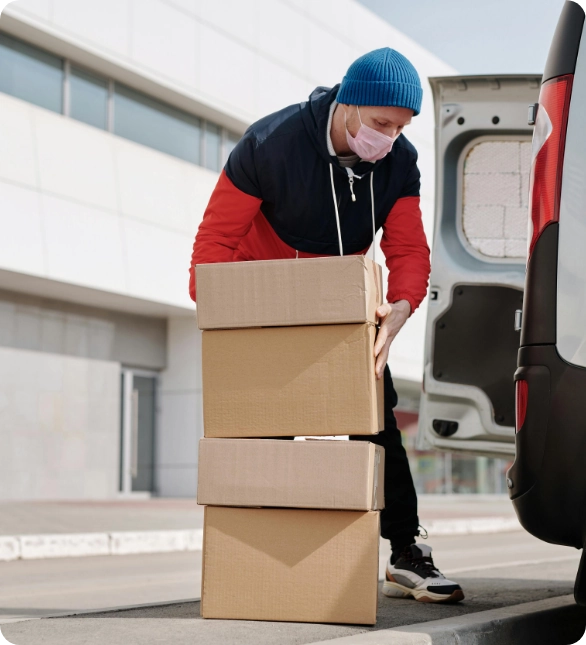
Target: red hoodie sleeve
226,220
407,253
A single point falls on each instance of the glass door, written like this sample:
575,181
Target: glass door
138,422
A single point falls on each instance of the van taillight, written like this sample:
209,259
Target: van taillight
549,138
521,392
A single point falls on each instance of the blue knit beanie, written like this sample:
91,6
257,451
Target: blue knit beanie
382,77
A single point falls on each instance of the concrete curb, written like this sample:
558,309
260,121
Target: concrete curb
473,525
75,545
555,621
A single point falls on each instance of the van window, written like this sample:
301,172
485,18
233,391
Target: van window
494,197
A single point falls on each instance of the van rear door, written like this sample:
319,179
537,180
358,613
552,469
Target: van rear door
483,158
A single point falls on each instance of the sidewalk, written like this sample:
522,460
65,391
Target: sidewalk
33,530
31,518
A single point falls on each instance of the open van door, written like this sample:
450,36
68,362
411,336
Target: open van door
483,157
477,284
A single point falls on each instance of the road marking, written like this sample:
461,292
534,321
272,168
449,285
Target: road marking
517,563
472,525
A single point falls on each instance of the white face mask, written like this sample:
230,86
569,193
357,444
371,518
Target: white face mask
369,144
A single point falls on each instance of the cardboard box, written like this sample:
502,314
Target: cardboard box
269,293
290,565
342,475
291,381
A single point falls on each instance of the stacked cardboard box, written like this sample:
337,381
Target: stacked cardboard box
291,527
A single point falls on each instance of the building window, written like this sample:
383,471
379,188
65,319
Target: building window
88,98
31,74
34,75
145,120
212,147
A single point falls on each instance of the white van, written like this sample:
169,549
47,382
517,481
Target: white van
506,296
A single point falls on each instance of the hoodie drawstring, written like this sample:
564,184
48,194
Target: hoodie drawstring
351,176
336,209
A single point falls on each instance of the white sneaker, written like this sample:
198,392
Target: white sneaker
414,574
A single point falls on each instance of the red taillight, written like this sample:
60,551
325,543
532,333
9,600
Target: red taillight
521,391
549,138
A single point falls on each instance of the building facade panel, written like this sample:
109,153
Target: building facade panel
24,248
106,24
106,192
74,160
181,411
18,161
85,240
165,40
47,325
58,426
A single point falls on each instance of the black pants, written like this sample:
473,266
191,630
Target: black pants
399,520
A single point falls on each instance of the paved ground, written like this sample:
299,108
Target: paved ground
496,571
27,518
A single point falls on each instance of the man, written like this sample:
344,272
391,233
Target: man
319,178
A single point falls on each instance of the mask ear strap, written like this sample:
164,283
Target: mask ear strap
357,110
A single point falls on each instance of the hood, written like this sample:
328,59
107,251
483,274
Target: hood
315,113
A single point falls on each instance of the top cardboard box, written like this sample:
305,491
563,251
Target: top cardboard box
276,293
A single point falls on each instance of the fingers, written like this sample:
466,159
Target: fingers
382,359
381,339
384,310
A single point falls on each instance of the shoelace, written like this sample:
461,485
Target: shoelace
425,565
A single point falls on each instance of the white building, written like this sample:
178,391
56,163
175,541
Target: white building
116,116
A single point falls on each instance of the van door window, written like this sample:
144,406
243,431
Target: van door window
494,197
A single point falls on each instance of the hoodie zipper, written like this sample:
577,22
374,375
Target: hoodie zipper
351,175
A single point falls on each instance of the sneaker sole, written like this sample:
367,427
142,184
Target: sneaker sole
395,590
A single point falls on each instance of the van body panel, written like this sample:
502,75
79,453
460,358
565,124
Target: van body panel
571,284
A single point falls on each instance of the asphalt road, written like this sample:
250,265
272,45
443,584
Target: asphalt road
495,570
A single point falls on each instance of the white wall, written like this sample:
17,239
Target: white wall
59,426
180,421
78,195
89,208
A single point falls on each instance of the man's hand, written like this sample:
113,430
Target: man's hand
392,318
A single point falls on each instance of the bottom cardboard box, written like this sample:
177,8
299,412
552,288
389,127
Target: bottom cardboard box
290,565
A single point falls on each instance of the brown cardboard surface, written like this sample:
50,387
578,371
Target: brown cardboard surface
342,475
290,565
291,381
309,291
